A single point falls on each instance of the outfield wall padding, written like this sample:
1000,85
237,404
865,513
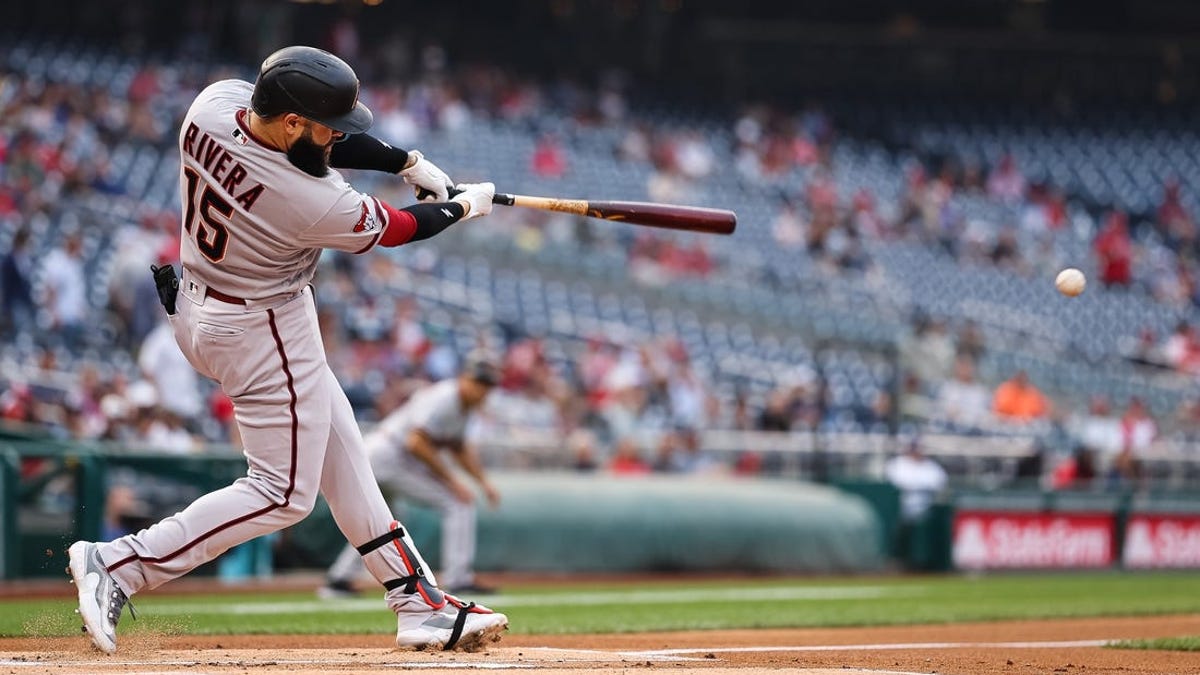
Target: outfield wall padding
602,523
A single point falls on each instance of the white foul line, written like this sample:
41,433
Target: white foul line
650,654
897,645
482,665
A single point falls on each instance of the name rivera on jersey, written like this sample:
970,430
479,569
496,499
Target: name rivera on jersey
214,158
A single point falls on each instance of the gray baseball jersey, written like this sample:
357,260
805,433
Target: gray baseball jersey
437,410
253,227
254,224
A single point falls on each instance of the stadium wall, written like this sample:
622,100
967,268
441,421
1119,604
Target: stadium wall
590,523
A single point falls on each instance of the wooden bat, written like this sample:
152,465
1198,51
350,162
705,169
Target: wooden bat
670,216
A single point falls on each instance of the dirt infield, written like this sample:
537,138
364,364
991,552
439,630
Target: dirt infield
1010,648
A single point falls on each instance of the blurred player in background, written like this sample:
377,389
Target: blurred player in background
405,455
260,203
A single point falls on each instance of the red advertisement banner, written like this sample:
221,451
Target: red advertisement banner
1016,540
1162,540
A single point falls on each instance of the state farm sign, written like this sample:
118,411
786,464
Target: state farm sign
1166,540
1000,540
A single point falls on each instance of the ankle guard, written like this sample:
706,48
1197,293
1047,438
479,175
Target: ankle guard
415,580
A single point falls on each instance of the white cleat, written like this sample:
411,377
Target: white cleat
100,599
459,627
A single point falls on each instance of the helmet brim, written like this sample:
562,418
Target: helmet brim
356,121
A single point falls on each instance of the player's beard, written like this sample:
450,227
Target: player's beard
308,156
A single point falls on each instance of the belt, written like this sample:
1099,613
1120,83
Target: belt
210,292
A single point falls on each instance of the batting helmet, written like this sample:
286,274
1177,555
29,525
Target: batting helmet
313,84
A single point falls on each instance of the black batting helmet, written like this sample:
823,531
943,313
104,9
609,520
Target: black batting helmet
313,84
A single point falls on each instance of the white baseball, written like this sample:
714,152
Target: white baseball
1070,282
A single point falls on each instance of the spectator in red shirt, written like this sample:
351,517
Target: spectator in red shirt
523,365
627,460
1056,209
1114,251
549,160
1076,471
1173,218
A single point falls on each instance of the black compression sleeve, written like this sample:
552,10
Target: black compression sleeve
433,218
364,151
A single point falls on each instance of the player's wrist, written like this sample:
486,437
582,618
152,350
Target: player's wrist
465,204
411,157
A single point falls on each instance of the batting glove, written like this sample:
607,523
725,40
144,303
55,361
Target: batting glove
476,197
429,182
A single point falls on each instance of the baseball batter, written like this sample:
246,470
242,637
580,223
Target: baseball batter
404,450
260,202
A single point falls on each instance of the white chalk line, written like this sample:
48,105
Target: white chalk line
896,645
573,655
681,596
482,665
558,654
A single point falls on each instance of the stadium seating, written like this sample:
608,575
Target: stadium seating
767,311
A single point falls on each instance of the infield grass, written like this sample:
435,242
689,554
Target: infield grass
658,606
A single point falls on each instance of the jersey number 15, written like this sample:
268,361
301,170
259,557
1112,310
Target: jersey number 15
212,234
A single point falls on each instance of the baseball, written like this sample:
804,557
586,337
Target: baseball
1070,282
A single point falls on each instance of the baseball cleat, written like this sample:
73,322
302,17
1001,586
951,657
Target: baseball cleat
458,626
100,599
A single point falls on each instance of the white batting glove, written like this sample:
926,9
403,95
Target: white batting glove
429,182
477,197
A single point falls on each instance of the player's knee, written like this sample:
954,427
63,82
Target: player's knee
293,504
300,505
296,510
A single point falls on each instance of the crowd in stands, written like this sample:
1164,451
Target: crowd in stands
624,408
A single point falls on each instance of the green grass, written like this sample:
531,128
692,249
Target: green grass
667,605
1175,644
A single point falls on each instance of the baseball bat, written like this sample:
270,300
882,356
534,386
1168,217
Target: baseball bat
669,216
